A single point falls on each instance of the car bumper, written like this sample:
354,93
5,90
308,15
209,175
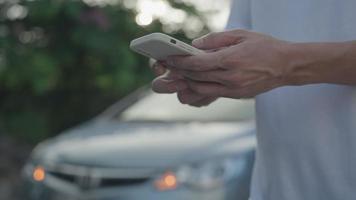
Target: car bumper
49,190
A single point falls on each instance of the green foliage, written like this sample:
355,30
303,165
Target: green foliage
65,61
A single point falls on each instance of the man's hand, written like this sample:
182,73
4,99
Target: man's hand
238,64
243,64
168,81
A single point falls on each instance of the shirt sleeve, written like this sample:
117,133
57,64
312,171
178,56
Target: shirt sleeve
240,15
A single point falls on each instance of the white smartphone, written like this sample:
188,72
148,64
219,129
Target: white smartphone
160,46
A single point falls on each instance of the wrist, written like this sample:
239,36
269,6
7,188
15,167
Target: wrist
298,69
310,63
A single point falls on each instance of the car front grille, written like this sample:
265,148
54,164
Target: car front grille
64,177
111,182
89,182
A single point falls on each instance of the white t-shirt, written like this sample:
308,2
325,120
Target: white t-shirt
307,134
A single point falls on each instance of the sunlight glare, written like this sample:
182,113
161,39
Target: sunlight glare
156,8
144,19
17,12
149,10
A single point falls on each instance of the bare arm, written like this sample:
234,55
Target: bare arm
323,63
250,63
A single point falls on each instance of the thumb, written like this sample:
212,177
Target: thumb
168,86
220,39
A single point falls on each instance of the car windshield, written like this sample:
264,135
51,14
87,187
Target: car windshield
166,107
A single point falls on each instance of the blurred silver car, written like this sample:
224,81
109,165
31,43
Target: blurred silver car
149,146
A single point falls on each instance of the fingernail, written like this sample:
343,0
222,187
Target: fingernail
168,80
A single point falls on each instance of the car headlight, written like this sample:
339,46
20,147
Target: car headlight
206,175
39,174
35,173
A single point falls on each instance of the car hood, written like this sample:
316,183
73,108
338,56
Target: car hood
113,144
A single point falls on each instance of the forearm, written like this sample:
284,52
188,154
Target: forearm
249,63
322,63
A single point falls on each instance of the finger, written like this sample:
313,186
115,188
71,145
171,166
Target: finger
201,62
219,40
173,74
163,85
207,88
158,69
204,102
216,76
253,90
187,96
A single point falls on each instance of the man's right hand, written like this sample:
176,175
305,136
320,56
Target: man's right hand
168,81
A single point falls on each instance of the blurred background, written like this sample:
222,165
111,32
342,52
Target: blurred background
64,61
